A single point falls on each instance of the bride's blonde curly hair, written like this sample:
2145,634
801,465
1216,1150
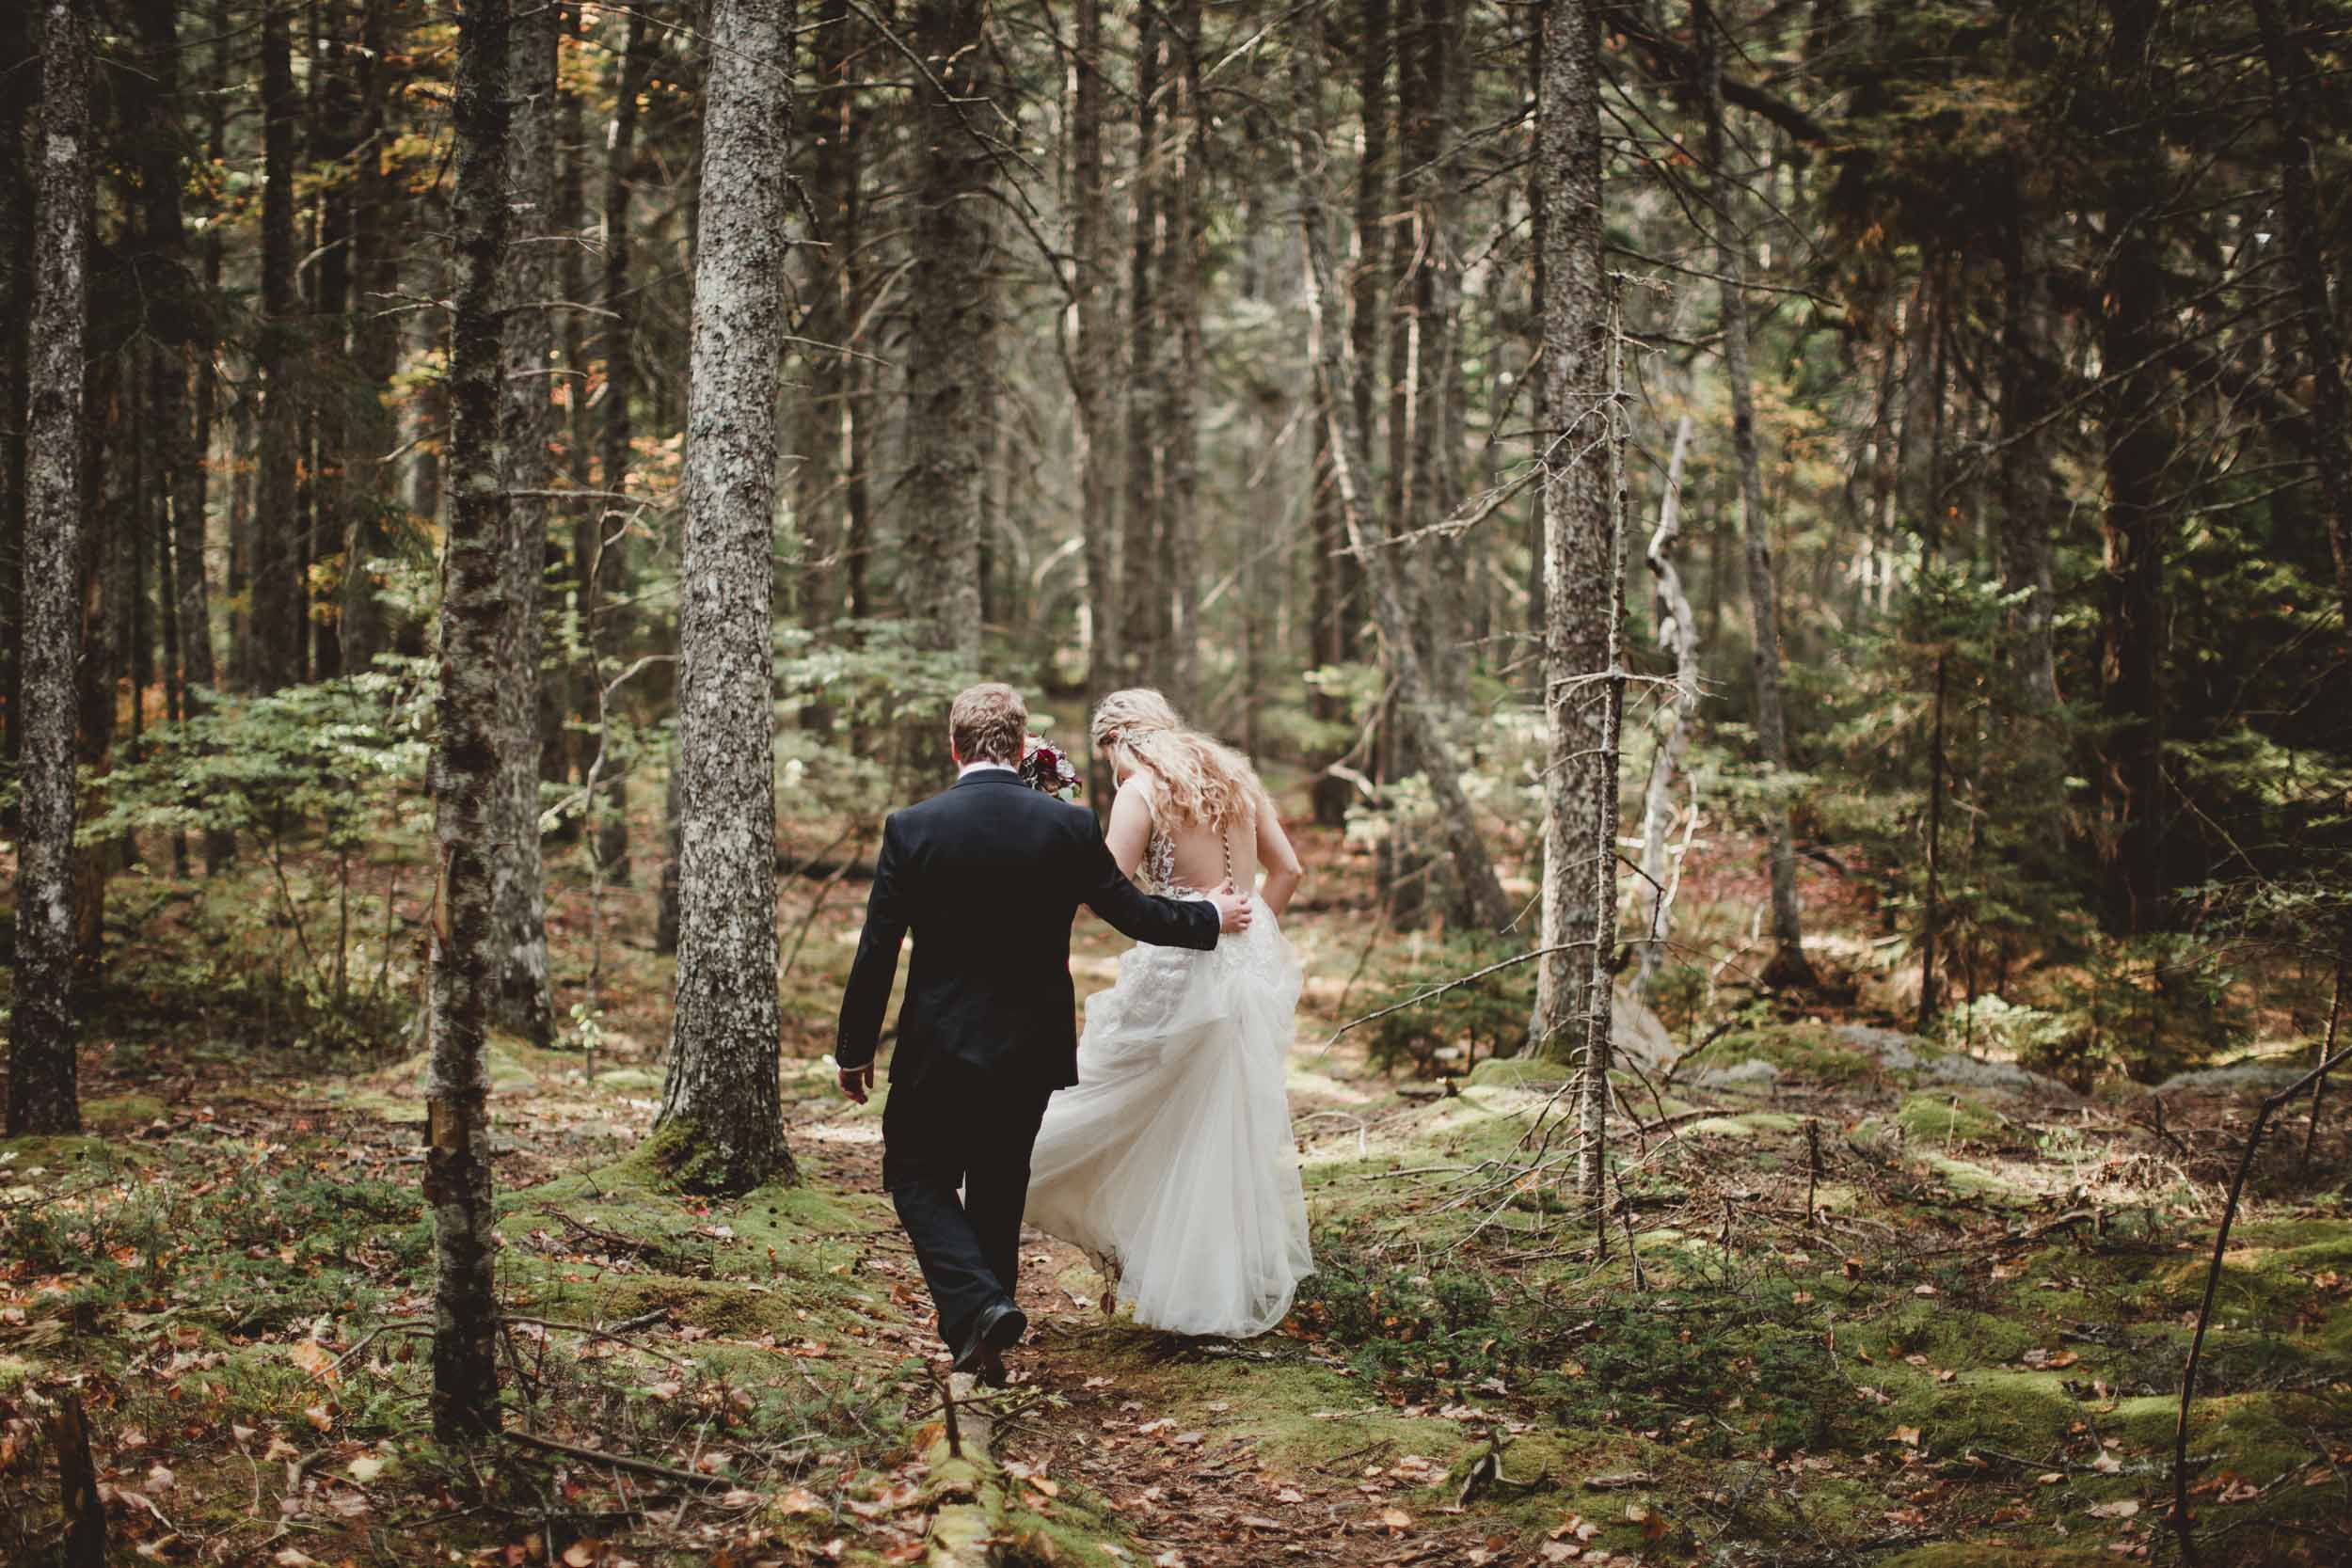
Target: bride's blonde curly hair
1201,781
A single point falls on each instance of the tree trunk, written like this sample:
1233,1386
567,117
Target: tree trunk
1577,539
831,321
1091,286
1788,966
721,1099
2307,264
1188,261
1678,633
950,372
42,1035
377,200
520,1002
1336,370
478,639
2138,444
2029,503
599,550
281,622
1141,652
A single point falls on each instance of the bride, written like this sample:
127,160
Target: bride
1172,1162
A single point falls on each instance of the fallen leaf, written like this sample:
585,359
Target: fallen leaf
800,1500
580,1553
2122,1507
1909,1435
1396,1518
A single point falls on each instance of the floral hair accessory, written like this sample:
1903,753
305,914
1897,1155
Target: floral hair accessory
1046,766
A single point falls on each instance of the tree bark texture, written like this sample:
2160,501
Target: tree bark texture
520,1001
1142,650
1788,966
950,367
722,1093
42,1037
280,558
1575,500
2138,525
600,548
1336,371
1089,380
1678,634
478,639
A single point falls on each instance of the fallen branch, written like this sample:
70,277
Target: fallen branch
615,1461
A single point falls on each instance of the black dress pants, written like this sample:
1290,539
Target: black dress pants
960,1127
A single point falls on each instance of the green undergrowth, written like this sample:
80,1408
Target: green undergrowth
1820,1393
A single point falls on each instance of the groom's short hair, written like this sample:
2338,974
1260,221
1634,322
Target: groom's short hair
987,723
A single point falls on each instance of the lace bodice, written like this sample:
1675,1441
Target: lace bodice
1159,862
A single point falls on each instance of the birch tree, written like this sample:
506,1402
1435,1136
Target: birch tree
42,1038
720,1108
477,641
1678,634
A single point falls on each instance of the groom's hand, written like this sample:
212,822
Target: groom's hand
1232,911
858,1082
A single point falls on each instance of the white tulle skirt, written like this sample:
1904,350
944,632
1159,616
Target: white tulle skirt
1172,1162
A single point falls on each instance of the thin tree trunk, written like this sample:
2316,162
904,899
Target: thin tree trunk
376,202
1141,651
520,1001
278,557
720,1101
1577,535
831,321
2029,503
1788,966
1178,605
2138,523
477,640
950,370
42,1035
2307,263
1336,370
1678,632
600,551
1096,348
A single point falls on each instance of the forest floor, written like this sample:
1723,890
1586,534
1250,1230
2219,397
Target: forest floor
1863,1301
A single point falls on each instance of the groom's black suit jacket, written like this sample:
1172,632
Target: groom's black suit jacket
988,876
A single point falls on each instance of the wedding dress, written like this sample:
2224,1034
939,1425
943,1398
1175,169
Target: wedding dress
1172,1162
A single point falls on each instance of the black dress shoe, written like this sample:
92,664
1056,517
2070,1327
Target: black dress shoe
997,1329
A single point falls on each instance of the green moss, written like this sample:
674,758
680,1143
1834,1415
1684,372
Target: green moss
1748,1125
61,1155
121,1113
1970,1179
1962,1553
2259,1436
1947,1336
1808,1050
1513,1073
628,1078
2020,1413
1949,1118
687,1156
15,1373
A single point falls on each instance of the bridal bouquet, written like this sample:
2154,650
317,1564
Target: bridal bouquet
1046,767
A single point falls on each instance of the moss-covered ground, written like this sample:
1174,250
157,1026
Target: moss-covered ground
1844,1314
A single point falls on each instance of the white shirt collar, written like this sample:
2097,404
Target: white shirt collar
971,767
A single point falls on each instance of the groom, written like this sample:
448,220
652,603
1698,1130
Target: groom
988,876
